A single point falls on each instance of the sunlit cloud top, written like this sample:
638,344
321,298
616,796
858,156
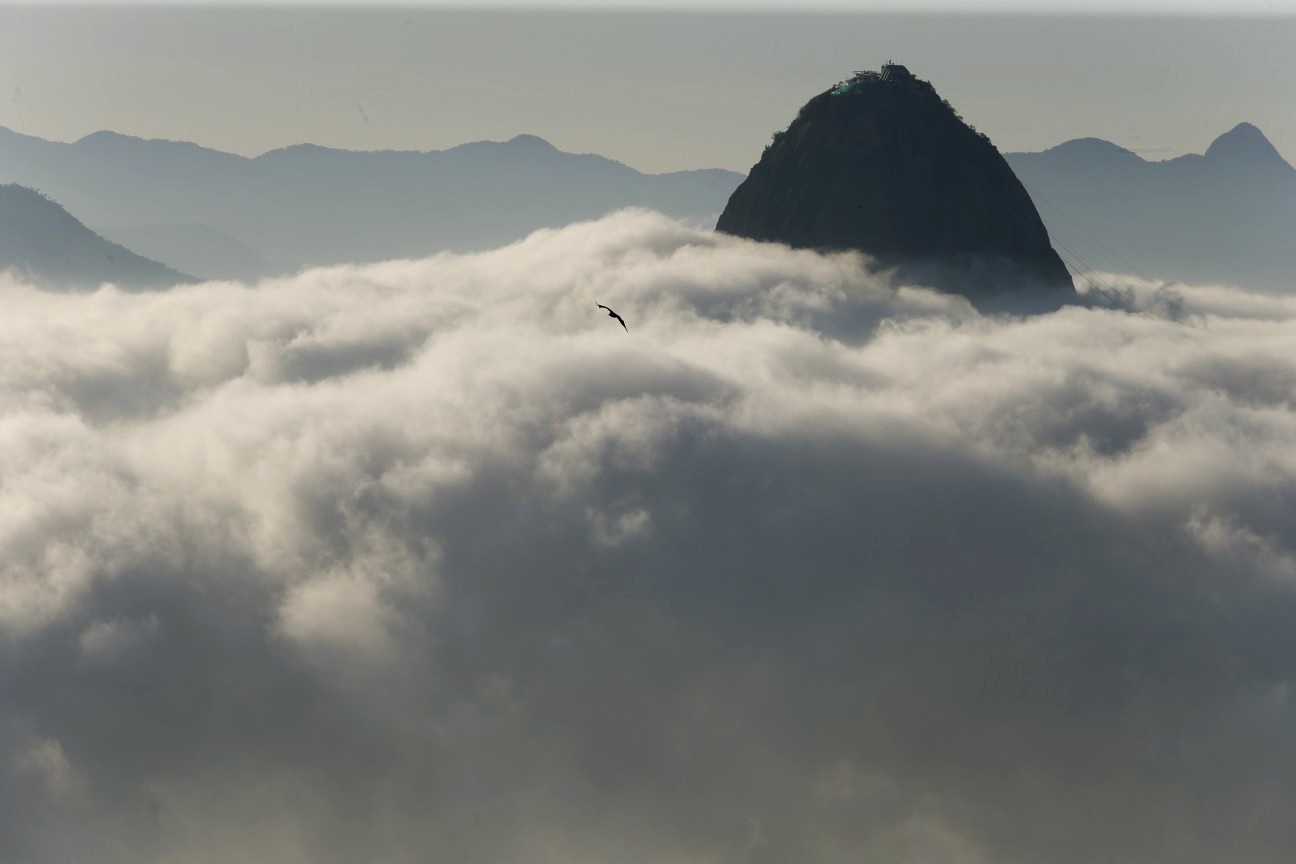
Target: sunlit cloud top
432,558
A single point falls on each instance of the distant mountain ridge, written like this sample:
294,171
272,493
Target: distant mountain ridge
1226,215
307,205
196,249
45,243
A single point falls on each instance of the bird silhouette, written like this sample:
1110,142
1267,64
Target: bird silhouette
612,314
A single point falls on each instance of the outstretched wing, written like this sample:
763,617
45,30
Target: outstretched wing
614,315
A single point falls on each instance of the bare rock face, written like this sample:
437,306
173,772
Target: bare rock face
882,164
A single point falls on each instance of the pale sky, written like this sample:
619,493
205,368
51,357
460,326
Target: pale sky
657,90
1133,7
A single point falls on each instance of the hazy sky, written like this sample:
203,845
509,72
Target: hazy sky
659,91
1177,7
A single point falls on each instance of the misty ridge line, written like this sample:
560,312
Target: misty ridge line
205,211
43,243
1220,216
1216,217
430,554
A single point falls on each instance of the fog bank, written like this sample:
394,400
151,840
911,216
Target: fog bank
432,560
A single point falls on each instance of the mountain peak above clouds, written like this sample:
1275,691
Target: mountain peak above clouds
882,164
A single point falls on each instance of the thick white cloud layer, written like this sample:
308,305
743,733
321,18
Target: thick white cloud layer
430,560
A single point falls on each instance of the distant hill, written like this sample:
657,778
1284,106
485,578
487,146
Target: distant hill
305,205
1227,215
197,249
41,240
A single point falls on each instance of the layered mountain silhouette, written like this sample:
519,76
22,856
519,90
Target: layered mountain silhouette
307,205
196,249
46,244
882,164
1227,215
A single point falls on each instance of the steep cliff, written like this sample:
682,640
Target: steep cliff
882,164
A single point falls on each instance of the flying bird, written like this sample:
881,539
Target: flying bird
612,314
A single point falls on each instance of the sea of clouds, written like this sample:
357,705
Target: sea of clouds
432,561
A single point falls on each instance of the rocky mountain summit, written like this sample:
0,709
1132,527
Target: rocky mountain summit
881,163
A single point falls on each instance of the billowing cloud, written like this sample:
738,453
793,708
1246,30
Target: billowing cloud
431,560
